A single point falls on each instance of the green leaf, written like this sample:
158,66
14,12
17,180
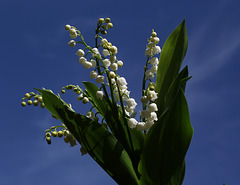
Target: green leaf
178,83
167,143
172,55
101,145
131,139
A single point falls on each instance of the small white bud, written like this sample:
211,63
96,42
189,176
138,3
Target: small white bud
94,63
80,53
112,74
113,49
99,94
80,97
67,27
132,123
105,52
156,40
87,64
106,63
114,67
119,63
85,100
131,102
100,79
73,36
112,59
82,60
152,107
104,41
72,43
73,31
93,74
121,81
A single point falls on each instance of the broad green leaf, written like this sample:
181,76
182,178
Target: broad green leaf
166,145
178,83
103,147
131,139
172,55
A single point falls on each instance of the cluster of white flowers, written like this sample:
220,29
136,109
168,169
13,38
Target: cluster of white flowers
107,60
152,48
149,115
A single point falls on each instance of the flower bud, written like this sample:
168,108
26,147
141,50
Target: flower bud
72,31
119,63
85,100
132,123
27,95
104,27
80,97
101,20
100,79
74,36
156,40
35,103
63,91
48,139
42,105
108,20
67,27
152,107
94,63
80,53
151,88
113,49
110,25
105,52
99,94
48,134
93,74
40,99
104,32
112,74
114,67
54,133
82,60
29,102
65,132
154,34
23,104
112,59
60,133
72,43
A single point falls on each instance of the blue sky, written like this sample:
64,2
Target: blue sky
35,54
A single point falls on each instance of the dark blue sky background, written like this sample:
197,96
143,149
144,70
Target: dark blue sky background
34,54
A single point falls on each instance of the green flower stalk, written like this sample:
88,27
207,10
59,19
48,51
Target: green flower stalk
150,151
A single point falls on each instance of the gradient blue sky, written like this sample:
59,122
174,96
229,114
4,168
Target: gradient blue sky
35,54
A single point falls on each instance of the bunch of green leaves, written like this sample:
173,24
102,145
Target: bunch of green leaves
127,155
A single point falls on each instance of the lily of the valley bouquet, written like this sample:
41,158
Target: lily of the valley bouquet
146,151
